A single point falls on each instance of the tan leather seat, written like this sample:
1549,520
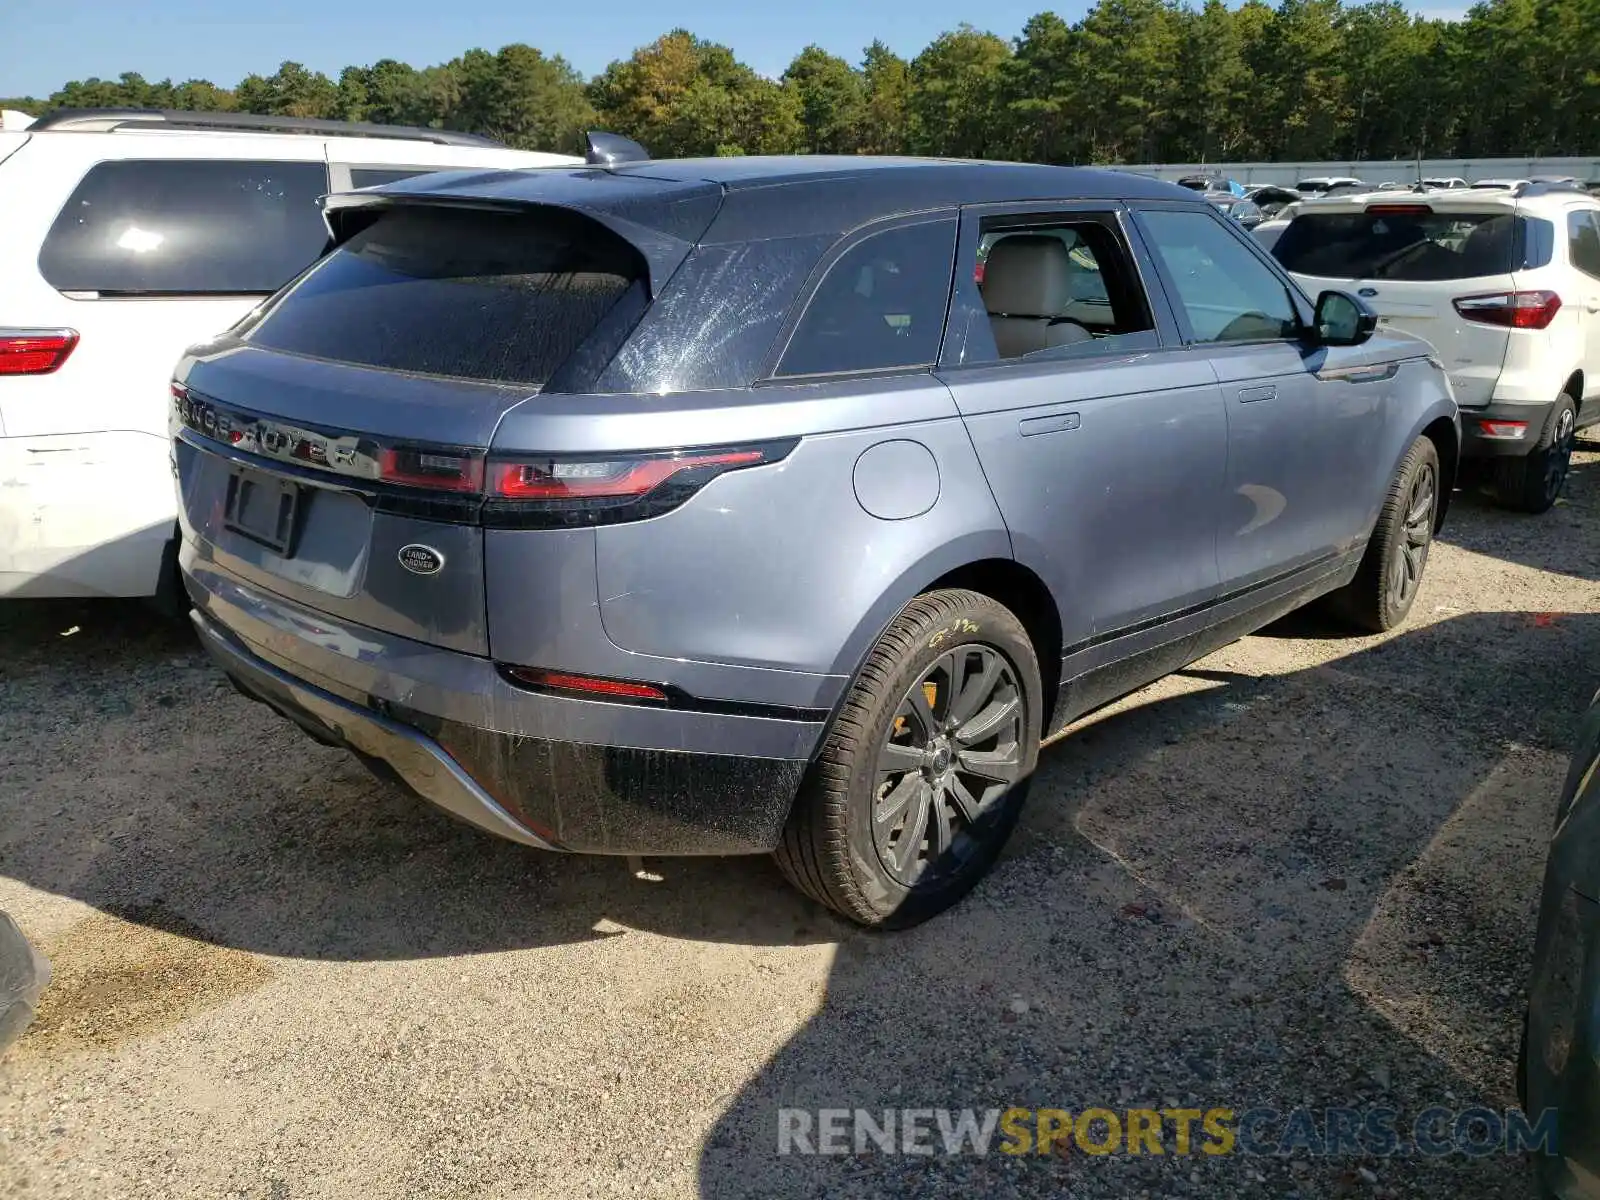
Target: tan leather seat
1027,281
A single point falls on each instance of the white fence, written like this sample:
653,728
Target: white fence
1381,171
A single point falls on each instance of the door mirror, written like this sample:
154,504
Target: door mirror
1342,320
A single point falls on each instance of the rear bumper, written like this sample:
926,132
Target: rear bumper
58,534
419,761
545,770
1476,441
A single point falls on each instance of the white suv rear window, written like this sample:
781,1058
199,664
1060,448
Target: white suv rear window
1416,246
180,227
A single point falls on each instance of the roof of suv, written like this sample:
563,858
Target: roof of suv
939,180
781,196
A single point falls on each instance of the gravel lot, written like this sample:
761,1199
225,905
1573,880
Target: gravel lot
1302,872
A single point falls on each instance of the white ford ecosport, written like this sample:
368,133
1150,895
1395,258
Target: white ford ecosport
129,236
1505,284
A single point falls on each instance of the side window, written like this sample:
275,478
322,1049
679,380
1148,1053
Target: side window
1583,241
185,227
361,177
1061,286
880,306
1227,293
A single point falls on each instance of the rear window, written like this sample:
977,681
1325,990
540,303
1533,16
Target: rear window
1405,246
178,227
505,297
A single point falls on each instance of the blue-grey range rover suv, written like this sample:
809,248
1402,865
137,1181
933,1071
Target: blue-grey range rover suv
781,505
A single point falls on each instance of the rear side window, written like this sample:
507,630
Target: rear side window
1060,286
1404,245
880,306
505,297
1583,241
178,227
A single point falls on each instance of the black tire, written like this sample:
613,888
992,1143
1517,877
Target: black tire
1522,1064
1390,575
842,845
171,599
1532,484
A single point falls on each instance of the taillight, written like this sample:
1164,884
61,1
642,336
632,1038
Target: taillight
428,468
35,351
1399,210
1513,310
569,490
516,491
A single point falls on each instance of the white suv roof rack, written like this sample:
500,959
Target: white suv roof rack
117,120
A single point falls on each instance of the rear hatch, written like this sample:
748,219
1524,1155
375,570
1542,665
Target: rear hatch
332,448
1414,262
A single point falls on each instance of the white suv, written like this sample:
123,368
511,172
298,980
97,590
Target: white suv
1506,287
127,237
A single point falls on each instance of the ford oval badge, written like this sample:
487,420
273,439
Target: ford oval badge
421,560
1368,292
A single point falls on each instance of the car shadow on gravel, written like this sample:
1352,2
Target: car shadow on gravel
1311,889
135,779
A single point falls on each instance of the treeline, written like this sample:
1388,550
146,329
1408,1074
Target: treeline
1133,81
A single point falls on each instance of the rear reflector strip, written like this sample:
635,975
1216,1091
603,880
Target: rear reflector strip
1513,310
652,695
585,685
35,351
1505,431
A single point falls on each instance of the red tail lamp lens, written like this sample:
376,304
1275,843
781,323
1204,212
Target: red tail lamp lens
439,470
1513,310
35,351
578,480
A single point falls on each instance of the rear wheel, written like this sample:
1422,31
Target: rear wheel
925,769
1390,575
1533,484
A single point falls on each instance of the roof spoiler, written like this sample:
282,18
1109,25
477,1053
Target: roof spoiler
609,149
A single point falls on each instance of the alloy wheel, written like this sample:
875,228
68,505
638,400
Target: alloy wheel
953,750
1558,459
1416,534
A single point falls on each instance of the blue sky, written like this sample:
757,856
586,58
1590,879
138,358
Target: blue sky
47,42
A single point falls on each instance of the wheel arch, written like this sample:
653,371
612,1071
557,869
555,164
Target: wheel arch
1574,388
985,566
1445,435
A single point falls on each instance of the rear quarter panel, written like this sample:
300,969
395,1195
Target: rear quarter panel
784,567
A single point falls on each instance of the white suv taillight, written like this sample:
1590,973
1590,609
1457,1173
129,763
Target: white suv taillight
1514,310
35,351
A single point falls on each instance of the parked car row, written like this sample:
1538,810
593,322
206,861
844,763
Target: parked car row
1503,283
516,483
